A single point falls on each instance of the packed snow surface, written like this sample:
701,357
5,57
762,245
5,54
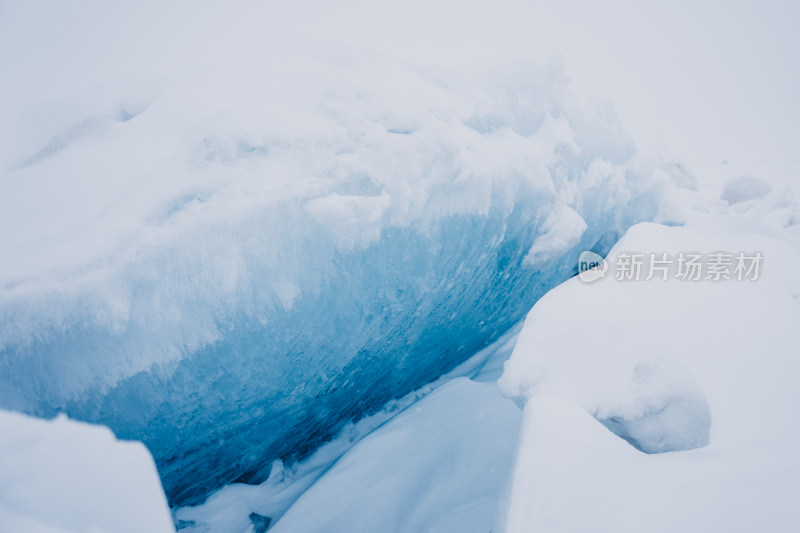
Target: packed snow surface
451,455
62,476
702,375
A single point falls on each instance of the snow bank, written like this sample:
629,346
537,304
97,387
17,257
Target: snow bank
707,367
61,476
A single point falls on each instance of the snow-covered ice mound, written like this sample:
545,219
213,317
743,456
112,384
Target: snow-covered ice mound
707,367
62,476
229,266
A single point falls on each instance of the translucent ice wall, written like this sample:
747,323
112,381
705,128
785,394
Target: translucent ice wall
231,265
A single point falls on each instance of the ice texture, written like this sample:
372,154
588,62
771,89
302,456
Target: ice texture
62,476
230,266
455,436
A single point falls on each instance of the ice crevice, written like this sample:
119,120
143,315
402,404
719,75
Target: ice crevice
234,291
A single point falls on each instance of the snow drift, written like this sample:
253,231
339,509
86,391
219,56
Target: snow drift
700,374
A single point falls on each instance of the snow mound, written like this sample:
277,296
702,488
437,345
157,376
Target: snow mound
668,412
61,476
744,188
704,369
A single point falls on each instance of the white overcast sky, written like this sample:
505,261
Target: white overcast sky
703,81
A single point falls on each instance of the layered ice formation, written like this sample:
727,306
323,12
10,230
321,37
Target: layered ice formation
231,270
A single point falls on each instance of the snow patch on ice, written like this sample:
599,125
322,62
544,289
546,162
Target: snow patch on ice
561,231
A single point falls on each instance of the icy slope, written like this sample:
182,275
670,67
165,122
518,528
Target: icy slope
455,437
62,476
229,267
706,371
439,466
